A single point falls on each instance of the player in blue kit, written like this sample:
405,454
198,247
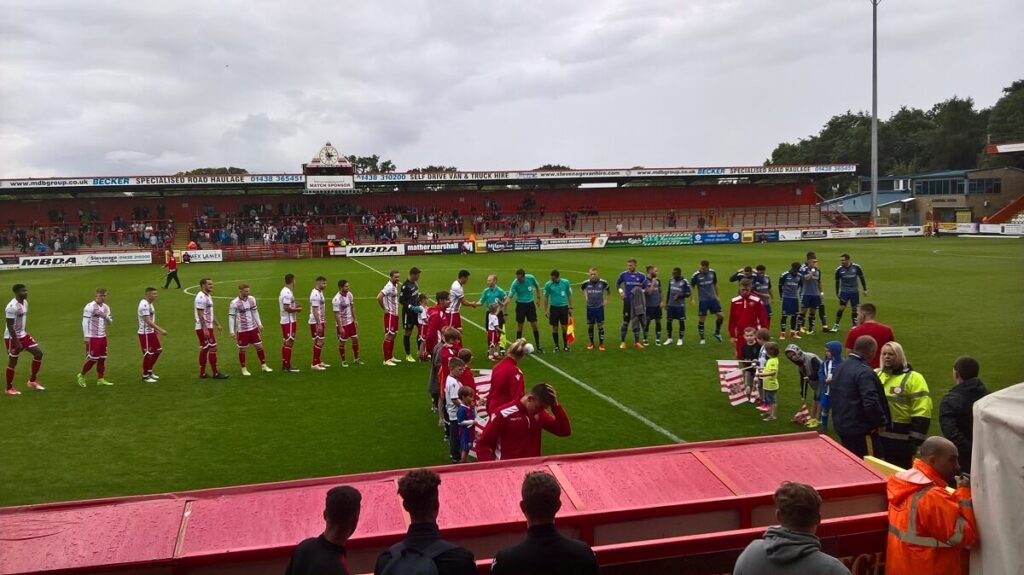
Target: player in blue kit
628,281
763,289
789,293
705,282
596,291
847,276
653,305
811,296
675,304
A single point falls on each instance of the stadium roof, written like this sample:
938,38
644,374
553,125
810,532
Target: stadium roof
262,183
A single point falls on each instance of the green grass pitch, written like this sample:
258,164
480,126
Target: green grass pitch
944,297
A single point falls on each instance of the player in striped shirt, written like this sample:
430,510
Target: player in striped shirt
95,319
387,299
457,295
17,338
289,309
245,327
148,339
344,305
318,321
205,322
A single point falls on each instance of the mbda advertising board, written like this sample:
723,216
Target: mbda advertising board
374,250
84,260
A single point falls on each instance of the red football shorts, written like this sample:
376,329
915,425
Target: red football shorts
316,330
346,331
26,342
96,348
493,337
248,337
390,323
206,337
288,330
455,320
149,342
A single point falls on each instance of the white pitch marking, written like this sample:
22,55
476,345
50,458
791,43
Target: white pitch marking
622,407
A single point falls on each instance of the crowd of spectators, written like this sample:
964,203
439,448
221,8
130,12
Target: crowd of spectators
61,234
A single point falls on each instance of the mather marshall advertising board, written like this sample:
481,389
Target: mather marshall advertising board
372,250
84,260
440,248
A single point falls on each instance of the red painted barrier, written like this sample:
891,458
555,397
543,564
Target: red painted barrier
622,501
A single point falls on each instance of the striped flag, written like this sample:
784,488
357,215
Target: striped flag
738,398
802,415
755,395
729,375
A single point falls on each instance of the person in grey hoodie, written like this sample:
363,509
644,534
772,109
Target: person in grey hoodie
792,547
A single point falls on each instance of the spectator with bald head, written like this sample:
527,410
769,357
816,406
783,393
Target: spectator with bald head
792,546
859,409
930,529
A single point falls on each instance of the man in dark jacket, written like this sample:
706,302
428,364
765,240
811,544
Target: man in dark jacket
956,412
423,540
792,546
545,551
326,555
859,408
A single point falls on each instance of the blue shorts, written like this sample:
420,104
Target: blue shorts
653,312
676,312
790,306
769,396
595,315
811,301
708,306
852,298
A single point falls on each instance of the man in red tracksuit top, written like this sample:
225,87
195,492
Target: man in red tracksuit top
747,310
437,317
514,430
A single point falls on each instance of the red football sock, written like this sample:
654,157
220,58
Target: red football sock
316,354
241,357
202,361
152,360
286,356
101,367
213,360
341,351
36,364
355,349
10,376
389,348
147,363
88,365
261,354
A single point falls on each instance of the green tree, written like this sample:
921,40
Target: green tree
433,169
959,135
213,171
552,168
1006,125
903,142
371,164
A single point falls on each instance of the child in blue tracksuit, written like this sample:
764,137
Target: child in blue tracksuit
833,358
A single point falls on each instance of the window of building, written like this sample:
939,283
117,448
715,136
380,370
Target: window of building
985,186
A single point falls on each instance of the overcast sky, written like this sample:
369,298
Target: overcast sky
114,87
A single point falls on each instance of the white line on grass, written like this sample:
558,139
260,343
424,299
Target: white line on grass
618,404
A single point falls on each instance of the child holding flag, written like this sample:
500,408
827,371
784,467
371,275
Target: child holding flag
770,377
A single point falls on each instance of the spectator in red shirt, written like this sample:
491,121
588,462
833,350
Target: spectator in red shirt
881,333
172,270
507,382
747,310
514,430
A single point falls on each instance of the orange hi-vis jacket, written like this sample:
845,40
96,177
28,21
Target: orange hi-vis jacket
930,528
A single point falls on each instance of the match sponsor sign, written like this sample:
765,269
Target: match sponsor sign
514,245
624,241
814,234
330,185
435,248
374,250
84,260
566,243
199,256
717,238
668,240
